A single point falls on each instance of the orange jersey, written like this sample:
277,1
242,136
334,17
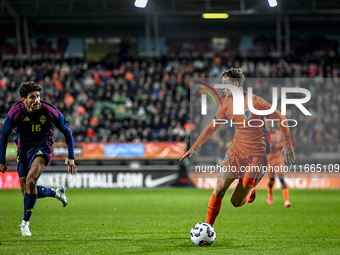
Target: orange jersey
275,157
250,130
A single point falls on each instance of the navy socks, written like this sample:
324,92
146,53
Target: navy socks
45,192
29,202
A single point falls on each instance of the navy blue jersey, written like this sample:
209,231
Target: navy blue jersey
34,129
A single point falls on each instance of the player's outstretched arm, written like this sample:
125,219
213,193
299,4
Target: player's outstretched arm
5,132
204,136
3,168
72,168
62,125
189,154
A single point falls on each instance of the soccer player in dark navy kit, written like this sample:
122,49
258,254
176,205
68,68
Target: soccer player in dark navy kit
32,119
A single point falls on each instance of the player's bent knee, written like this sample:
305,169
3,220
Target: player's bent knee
31,184
236,202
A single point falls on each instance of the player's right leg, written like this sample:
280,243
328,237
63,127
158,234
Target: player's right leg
45,153
224,180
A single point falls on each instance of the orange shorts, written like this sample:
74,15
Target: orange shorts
247,168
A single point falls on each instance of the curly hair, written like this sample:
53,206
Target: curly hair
28,87
235,74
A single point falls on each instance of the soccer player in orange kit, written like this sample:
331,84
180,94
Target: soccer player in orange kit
249,146
275,159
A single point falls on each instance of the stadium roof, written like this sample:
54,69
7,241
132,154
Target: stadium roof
174,17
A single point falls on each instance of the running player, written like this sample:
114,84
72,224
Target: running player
275,159
249,147
32,119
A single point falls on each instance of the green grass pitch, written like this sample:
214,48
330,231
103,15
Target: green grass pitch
158,221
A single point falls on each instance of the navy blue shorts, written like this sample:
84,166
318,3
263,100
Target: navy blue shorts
26,156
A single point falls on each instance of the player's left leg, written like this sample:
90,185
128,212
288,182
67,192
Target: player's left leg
284,190
242,194
252,173
59,193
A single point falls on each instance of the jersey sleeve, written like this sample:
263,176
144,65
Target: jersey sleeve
221,112
207,132
261,104
5,132
61,123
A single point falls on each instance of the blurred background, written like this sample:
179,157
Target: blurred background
122,75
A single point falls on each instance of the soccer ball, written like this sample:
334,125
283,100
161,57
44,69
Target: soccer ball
202,234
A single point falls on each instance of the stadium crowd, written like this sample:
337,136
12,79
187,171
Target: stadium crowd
148,100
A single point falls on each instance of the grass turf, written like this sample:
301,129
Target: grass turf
158,221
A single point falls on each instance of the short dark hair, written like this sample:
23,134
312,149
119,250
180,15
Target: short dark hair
235,74
28,87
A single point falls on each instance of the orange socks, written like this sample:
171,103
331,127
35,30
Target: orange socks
285,194
214,207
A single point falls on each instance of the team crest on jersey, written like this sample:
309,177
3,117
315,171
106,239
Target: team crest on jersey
247,114
26,119
42,119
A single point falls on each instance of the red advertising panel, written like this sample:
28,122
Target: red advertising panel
9,180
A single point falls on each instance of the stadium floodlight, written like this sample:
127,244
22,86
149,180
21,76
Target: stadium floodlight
272,3
141,3
215,15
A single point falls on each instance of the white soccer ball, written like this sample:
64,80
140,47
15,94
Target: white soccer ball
202,234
